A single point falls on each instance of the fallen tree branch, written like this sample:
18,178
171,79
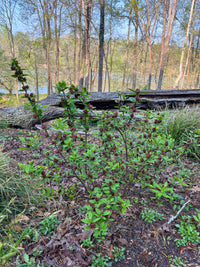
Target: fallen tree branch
174,217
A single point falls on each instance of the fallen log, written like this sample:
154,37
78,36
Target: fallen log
20,117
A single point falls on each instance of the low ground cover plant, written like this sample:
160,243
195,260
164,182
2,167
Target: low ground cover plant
182,124
14,185
122,154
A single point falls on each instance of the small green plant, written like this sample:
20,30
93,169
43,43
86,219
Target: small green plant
3,125
47,226
31,234
29,261
87,242
37,252
188,232
161,190
99,261
197,218
118,253
177,261
151,215
108,197
10,242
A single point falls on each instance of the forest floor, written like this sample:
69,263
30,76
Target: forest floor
146,243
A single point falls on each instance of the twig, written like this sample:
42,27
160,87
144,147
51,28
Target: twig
174,217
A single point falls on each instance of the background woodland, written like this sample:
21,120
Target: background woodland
105,45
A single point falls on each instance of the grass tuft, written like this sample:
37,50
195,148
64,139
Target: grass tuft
14,185
181,124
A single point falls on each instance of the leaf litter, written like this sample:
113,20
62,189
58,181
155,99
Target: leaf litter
147,244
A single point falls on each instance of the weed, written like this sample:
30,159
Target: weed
4,125
177,261
118,253
99,261
10,245
47,226
197,218
151,215
37,252
29,261
161,190
188,232
87,242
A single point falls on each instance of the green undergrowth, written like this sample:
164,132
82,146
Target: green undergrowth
182,124
14,185
120,154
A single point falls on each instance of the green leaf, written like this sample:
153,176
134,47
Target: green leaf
107,212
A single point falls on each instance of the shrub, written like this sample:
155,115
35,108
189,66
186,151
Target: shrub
103,169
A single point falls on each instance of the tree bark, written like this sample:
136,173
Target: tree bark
184,47
165,42
87,19
127,49
149,27
190,48
36,80
57,26
101,45
135,49
79,43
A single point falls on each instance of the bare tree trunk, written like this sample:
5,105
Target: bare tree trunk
6,87
150,66
127,49
94,76
135,49
162,46
189,49
48,68
57,39
9,13
79,42
171,17
148,22
101,45
87,19
107,72
184,47
36,79
81,77
75,41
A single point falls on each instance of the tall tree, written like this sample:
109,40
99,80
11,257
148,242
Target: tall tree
40,12
101,44
185,45
127,45
79,41
7,13
57,15
86,8
190,47
148,16
171,7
